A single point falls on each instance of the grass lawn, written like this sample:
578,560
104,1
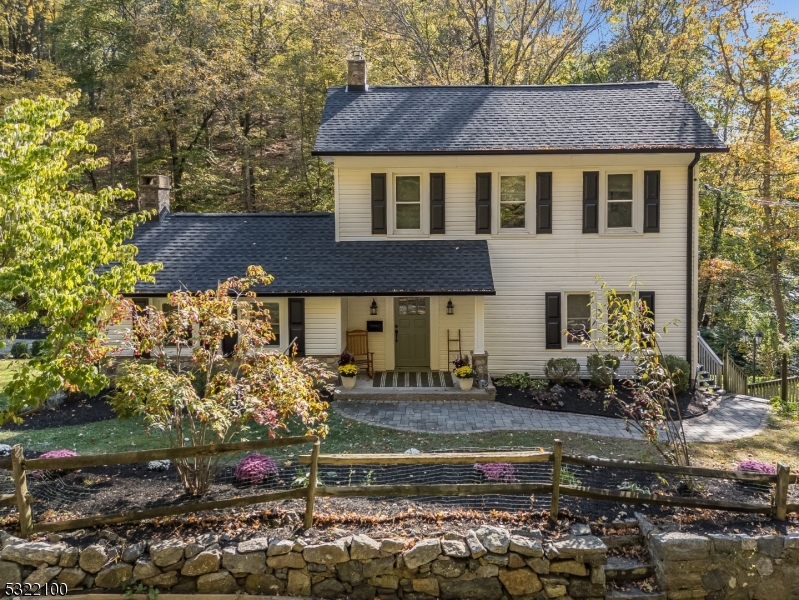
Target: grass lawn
779,442
346,436
7,369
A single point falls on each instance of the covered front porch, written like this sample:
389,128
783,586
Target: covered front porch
413,340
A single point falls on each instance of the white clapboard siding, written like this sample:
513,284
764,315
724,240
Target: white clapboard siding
526,266
322,326
463,319
358,314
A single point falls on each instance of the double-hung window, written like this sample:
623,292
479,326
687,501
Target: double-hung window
512,201
578,318
619,201
274,320
408,203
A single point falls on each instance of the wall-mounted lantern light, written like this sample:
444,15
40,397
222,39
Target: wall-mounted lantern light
450,308
373,308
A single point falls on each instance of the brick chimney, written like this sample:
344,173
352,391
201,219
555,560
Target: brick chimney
356,72
154,194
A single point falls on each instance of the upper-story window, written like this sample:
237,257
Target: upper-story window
620,201
512,201
408,202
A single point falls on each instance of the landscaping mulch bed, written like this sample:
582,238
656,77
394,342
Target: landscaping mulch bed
76,409
123,488
585,400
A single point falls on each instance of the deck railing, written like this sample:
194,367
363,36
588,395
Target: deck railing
769,389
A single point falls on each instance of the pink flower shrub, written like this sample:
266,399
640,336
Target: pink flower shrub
59,454
63,453
503,472
254,468
757,467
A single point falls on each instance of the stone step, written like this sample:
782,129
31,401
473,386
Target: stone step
620,568
623,541
634,595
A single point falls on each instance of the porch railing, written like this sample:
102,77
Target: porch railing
773,387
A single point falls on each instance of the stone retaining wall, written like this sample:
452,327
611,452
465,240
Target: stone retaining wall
726,567
487,564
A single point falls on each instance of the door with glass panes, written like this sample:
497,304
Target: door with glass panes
411,333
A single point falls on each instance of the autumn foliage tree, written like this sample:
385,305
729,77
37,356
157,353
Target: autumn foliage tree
185,386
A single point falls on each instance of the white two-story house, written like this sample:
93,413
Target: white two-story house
472,213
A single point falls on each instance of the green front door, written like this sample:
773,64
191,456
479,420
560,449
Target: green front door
412,333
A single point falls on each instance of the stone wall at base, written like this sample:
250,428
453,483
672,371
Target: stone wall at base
726,567
489,563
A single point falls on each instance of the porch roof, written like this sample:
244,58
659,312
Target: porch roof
199,250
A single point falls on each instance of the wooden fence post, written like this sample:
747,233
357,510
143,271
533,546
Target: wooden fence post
784,378
781,491
21,491
557,453
312,485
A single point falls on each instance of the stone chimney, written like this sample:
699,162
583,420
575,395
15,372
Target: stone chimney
154,194
356,72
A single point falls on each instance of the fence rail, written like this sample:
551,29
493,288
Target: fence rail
559,486
23,499
771,388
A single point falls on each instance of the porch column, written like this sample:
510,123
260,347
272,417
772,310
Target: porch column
479,325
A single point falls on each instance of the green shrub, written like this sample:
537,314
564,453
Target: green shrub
562,370
522,381
601,369
20,350
517,380
36,347
789,408
680,372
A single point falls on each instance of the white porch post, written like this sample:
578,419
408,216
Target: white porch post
479,326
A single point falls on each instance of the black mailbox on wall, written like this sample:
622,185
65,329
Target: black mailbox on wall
374,326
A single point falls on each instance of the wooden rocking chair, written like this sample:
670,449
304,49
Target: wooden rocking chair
358,346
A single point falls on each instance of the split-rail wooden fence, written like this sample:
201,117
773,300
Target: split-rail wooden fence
778,507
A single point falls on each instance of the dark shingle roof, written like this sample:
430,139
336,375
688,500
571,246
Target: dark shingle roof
644,116
199,250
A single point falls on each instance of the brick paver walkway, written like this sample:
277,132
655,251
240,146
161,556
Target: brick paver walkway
733,418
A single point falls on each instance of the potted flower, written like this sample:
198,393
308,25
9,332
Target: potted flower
465,376
347,370
461,361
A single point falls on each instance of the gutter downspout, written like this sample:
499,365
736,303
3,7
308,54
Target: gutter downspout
689,287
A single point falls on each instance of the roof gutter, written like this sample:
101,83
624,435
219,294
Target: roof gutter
689,263
634,150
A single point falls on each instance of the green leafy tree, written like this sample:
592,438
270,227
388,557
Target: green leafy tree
625,326
62,261
195,394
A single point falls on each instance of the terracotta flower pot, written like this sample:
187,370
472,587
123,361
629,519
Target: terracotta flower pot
348,382
466,383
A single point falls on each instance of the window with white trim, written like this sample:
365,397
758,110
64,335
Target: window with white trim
619,205
408,202
578,318
512,201
274,320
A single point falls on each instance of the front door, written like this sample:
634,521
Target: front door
412,333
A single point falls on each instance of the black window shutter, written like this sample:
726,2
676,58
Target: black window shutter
543,202
648,298
651,201
553,327
483,215
297,323
379,203
437,219
591,202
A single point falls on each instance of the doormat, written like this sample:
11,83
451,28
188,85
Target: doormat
412,379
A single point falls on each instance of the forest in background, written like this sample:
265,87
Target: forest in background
225,96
